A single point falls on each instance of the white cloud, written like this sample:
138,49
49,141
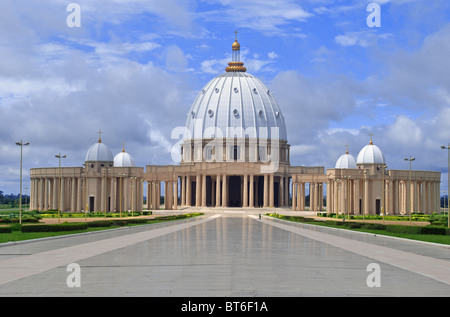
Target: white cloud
268,17
361,38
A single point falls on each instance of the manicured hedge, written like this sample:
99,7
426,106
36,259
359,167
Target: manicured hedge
99,223
137,221
373,226
433,230
119,222
55,228
5,230
403,229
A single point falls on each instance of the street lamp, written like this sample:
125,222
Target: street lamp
21,144
59,156
383,191
410,159
448,180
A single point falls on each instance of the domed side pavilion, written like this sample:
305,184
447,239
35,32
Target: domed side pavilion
369,187
235,153
104,183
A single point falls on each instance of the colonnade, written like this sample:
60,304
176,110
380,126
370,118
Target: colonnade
417,196
220,190
45,195
107,193
370,196
298,190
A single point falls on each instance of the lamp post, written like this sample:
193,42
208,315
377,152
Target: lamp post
383,192
410,159
21,144
85,187
448,180
59,157
364,194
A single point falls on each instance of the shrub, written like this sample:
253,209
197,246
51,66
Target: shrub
433,230
119,222
15,227
374,226
5,230
99,223
403,229
55,228
354,225
137,221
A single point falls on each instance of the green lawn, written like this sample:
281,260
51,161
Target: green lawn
17,235
442,239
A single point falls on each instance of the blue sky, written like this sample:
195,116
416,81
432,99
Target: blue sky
134,67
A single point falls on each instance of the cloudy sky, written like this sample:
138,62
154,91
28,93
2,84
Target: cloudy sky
133,68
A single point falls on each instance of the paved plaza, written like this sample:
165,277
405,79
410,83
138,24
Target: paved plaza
226,253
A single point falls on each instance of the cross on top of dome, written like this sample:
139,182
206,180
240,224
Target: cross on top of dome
236,65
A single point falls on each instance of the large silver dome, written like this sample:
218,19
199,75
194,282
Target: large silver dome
236,104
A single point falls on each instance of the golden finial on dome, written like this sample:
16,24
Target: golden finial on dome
123,147
99,136
236,46
236,65
371,135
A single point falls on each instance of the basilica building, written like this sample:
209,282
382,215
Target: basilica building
235,153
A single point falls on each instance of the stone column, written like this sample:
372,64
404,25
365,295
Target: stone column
218,191
390,192
175,195
166,195
266,190
320,197
294,195
335,197
45,193
224,191
271,191
74,194
188,191
79,194
281,192
204,190
198,191
356,197
366,197
329,190
183,190
63,194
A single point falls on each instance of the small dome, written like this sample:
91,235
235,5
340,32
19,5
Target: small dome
236,45
99,152
370,154
346,161
123,159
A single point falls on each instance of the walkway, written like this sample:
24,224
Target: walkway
229,253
